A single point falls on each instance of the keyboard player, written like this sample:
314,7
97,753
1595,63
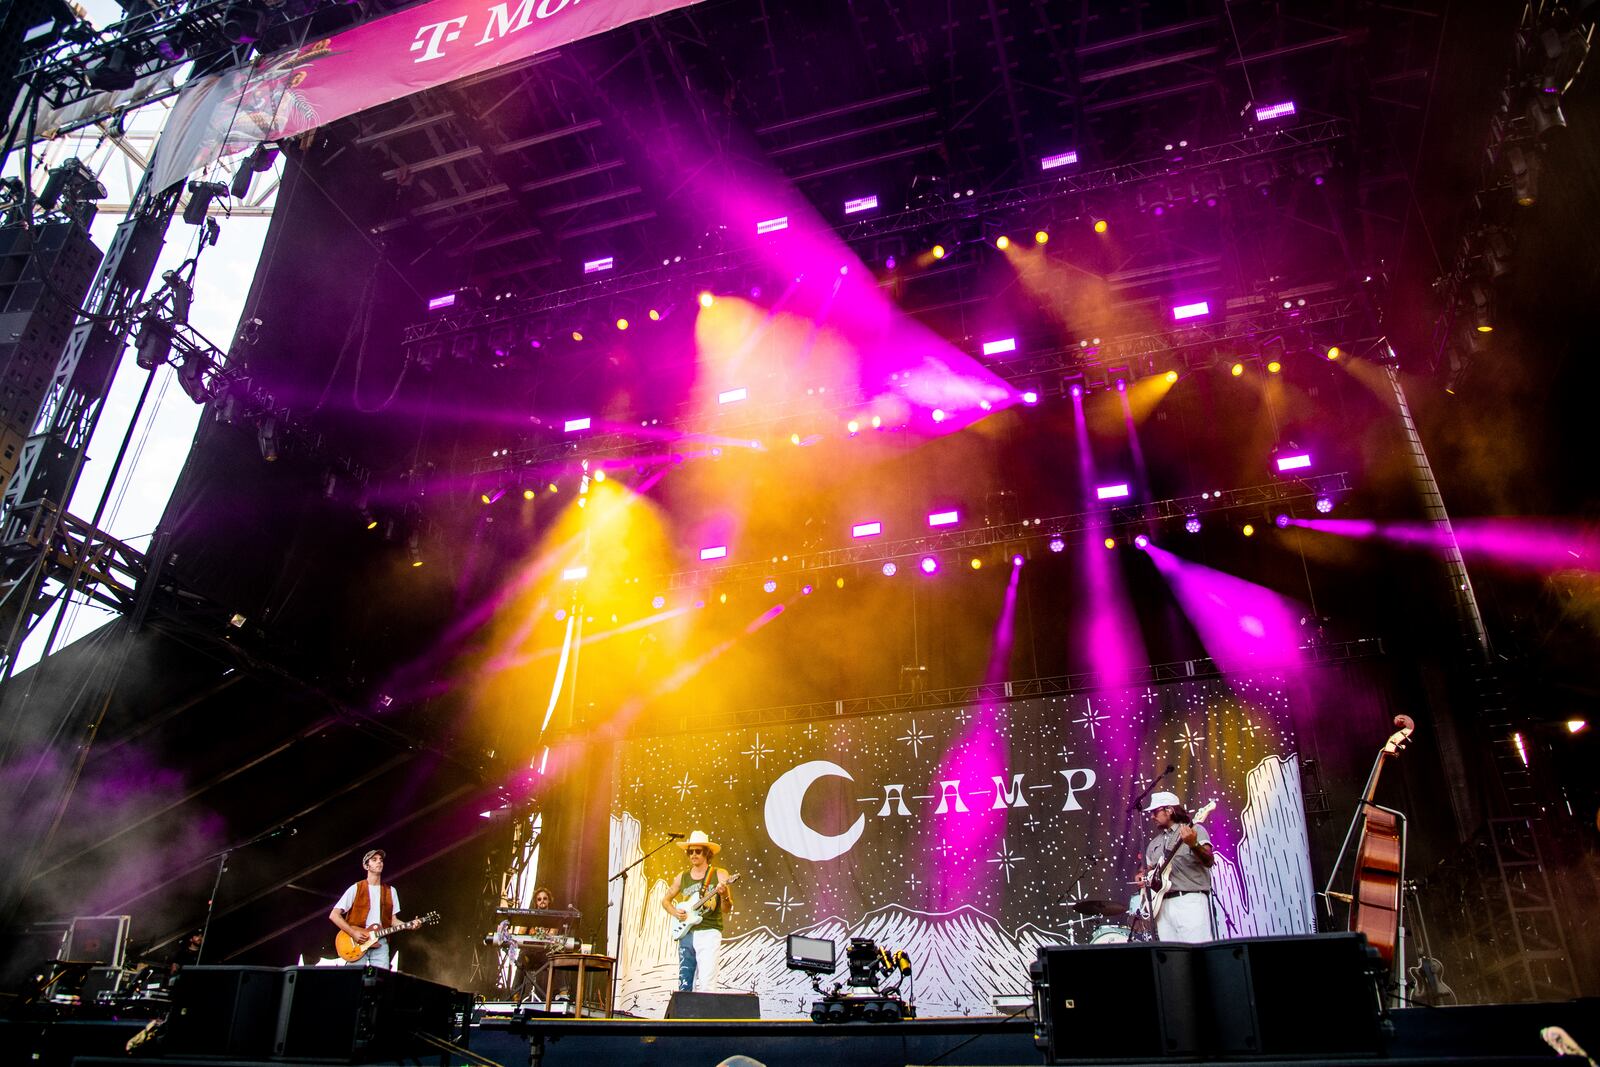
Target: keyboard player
535,945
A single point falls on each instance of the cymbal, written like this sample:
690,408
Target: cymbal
1099,907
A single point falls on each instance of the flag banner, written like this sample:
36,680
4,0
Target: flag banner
290,92
960,836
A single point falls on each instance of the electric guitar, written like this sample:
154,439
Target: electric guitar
694,910
350,952
1156,884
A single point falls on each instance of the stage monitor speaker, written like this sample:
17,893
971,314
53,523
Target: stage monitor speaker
1258,996
102,983
98,939
358,1014
1116,1002
224,1011
714,1006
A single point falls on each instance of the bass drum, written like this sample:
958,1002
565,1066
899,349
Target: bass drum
1109,934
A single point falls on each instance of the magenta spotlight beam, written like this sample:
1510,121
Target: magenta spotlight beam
1539,545
1243,626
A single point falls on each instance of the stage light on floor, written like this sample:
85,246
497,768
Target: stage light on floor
890,570
1141,542
1192,524
1249,530
1057,545
1324,504
929,565
1236,370
706,298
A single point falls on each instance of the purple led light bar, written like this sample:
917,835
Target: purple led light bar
1060,159
572,425
1191,311
439,303
714,552
866,529
732,396
595,266
1005,344
1275,111
861,203
1111,492
1294,463
772,225
944,518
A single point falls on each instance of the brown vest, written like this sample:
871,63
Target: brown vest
357,915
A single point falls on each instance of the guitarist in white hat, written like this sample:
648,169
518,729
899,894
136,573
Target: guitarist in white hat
1185,908
366,906
700,944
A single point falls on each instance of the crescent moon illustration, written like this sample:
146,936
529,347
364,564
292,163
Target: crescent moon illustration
789,831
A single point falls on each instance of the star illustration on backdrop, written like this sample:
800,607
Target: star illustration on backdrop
963,716
684,787
1250,727
943,849
1031,822
1189,739
915,738
730,781
637,783
810,731
1006,859
784,904
757,750
1091,718
913,881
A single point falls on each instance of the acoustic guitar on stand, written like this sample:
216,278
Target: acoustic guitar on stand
351,952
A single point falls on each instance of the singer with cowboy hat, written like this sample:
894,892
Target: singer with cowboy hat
699,946
1186,913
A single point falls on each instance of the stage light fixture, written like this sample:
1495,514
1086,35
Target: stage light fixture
1041,237
1249,530
1101,226
999,346
267,437
806,590
1110,542
733,396
1236,370
938,415
1111,492
1141,542
1171,376
553,487
1195,310
889,569
577,335
1002,242
575,574
770,585
707,298
1192,523
1122,385
200,196
596,266
117,72
976,563
574,425
938,252
929,565
1334,353
713,552
528,494
622,324
722,598
152,345
1057,545
853,426
1282,520
1030,397
1059,159
1017,560
944,518
860,204
794,439
838,583
1294,462
1324,505
877,422
1577,726
1275,111
1274,367
866,529
772,225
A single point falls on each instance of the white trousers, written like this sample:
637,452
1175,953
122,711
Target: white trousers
1185,918
697,960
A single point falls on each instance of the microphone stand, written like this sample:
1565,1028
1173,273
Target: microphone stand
222,869
622,900
1144,794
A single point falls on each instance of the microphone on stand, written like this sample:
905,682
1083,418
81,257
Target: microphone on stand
674,836
1144,794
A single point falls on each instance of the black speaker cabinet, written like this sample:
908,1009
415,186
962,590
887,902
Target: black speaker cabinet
224,1011
359,1014
1118,1001
1258,989
714,1006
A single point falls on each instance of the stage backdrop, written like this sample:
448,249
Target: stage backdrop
960,836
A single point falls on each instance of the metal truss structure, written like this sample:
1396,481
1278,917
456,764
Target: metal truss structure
999,692
1018,536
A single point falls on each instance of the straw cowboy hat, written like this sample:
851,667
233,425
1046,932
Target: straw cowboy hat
699,837
1163,800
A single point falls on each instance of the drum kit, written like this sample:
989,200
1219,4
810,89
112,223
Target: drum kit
1115,922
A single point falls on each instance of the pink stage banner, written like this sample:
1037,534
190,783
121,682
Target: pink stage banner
288,93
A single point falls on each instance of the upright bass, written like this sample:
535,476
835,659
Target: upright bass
1374,897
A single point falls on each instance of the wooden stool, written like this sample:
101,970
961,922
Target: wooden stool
590,970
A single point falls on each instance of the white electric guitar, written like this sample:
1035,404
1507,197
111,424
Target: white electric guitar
1157,884
694,908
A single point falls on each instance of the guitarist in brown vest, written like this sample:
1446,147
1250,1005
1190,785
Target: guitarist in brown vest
1185,913
367,904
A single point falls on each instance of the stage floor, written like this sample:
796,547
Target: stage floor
1488,1036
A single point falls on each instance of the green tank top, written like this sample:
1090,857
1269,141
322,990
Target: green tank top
688,886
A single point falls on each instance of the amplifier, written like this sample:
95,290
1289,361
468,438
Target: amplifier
359,1014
